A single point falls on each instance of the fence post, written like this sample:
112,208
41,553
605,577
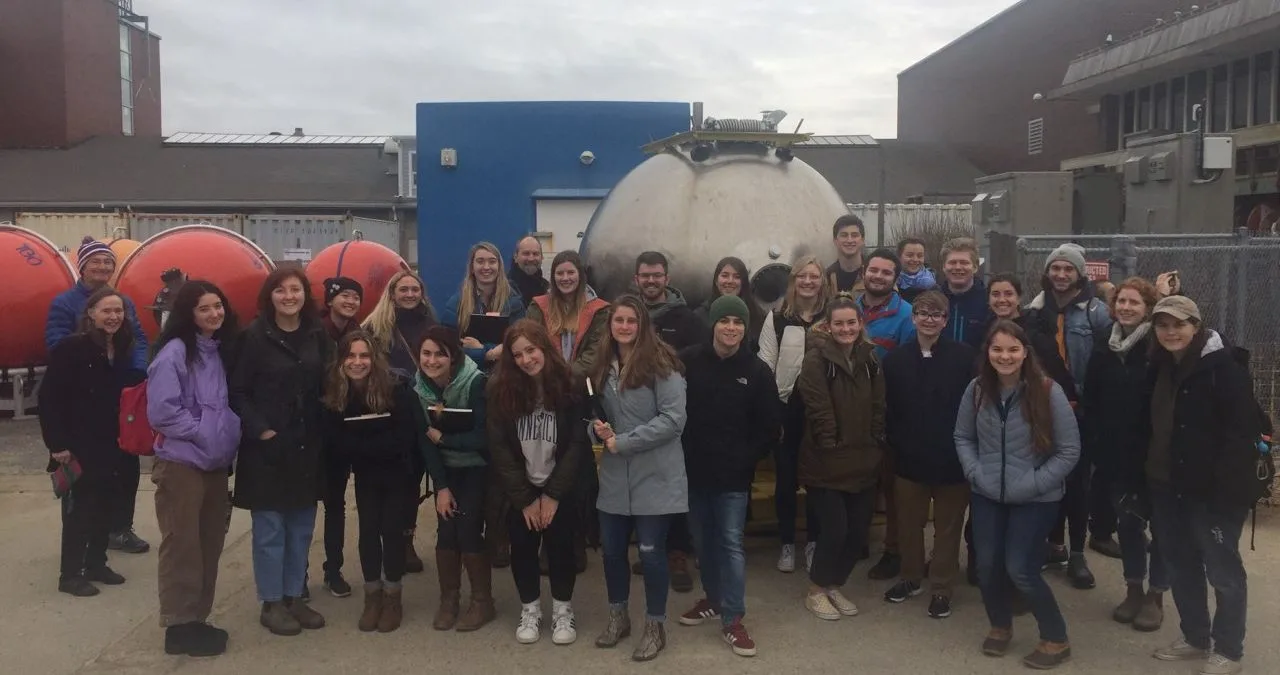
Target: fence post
1242,284
1124,258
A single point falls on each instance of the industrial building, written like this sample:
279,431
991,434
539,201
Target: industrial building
978,93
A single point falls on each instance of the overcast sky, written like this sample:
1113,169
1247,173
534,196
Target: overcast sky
343,67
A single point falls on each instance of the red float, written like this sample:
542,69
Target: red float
233,263
369,263
33,272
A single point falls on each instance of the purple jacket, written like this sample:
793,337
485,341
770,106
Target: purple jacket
187,405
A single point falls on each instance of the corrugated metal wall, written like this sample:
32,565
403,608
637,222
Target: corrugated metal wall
275,233
385,232
901,218
143,226
67,230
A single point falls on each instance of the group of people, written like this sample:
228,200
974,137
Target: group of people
875,380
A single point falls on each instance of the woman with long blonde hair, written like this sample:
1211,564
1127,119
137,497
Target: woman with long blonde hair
571,312
401,317
376,425
782,348
485,290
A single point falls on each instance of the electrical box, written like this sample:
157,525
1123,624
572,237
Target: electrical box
1219,153
998,207
978,211
1162,165
1135,170
448,157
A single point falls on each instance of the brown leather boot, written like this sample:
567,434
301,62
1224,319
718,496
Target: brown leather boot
372,609
412,563
449,569
481,610
1151,614
1128,609
392,610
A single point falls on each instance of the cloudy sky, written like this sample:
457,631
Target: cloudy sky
346,67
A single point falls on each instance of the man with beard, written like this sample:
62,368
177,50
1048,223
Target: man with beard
887,322
845,274
1067,310
677,325
526,270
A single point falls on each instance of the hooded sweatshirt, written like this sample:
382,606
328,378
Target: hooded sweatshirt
970,314
188,406
675,321
458,448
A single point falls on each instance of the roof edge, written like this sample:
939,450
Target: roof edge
972,31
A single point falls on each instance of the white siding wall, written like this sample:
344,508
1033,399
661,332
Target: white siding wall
564,219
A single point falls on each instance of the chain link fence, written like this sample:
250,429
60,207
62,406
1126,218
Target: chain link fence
1234,279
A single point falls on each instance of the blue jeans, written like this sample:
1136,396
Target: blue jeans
651,533
281,543
1200,543
1009,540
1130,529
717,520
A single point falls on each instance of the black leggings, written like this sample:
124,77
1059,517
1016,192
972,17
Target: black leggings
418,474
558,543
1075,510
846,521
381,496
464,530
786,473
124,494
86,517
335,515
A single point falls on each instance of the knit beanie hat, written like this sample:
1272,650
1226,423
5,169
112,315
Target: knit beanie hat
90,247
335,285
729,305
1072,253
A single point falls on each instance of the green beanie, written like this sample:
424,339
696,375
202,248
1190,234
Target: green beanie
729,305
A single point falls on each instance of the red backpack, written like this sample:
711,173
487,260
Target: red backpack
136,435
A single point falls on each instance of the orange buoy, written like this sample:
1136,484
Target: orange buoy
369,263
215,254
33,272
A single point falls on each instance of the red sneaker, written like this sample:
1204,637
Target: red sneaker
736,635
700,613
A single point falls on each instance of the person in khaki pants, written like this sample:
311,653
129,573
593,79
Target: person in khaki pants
924,383
198,437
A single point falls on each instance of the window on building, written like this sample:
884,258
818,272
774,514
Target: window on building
1160,107
1035,136
1130,105
413,173
1109,122
126,80
1144,109
1197,88
1178,105
1240,94
1219,98
1262,86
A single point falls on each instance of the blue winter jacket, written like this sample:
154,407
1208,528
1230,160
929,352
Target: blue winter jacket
67,310
514,309
970,314
1084,318
889,325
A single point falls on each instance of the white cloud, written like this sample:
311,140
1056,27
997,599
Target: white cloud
334,66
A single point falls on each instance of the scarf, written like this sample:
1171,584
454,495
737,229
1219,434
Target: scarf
1120,344
922,279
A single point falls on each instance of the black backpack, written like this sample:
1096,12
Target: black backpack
1265,467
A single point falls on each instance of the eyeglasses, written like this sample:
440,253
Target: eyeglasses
935,316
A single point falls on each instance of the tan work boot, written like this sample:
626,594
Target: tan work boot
277,619
372,608
449,569
481,610
308,618
392,610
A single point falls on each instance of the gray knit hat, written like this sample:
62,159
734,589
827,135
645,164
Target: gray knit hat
1072,253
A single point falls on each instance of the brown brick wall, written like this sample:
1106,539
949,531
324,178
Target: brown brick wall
32,80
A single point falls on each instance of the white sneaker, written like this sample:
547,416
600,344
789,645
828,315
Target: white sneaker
787,559
1220,665
530,628
842,604
809,548
1180,650
821,606
564,628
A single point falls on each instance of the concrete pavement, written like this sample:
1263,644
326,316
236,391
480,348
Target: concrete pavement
117,632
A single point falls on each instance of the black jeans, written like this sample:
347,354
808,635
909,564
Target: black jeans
1103,519
846,521
557,540
1198,543
335,515
1074,510
679,538
786,473
86,519
464,530
124,494
381,496
417,476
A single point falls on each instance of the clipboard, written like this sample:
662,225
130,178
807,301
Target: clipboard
452,420
370,416
488,329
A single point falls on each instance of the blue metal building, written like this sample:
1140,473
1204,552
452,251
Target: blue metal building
519,167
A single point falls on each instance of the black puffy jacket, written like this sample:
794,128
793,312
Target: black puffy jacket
1111,429
922,398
